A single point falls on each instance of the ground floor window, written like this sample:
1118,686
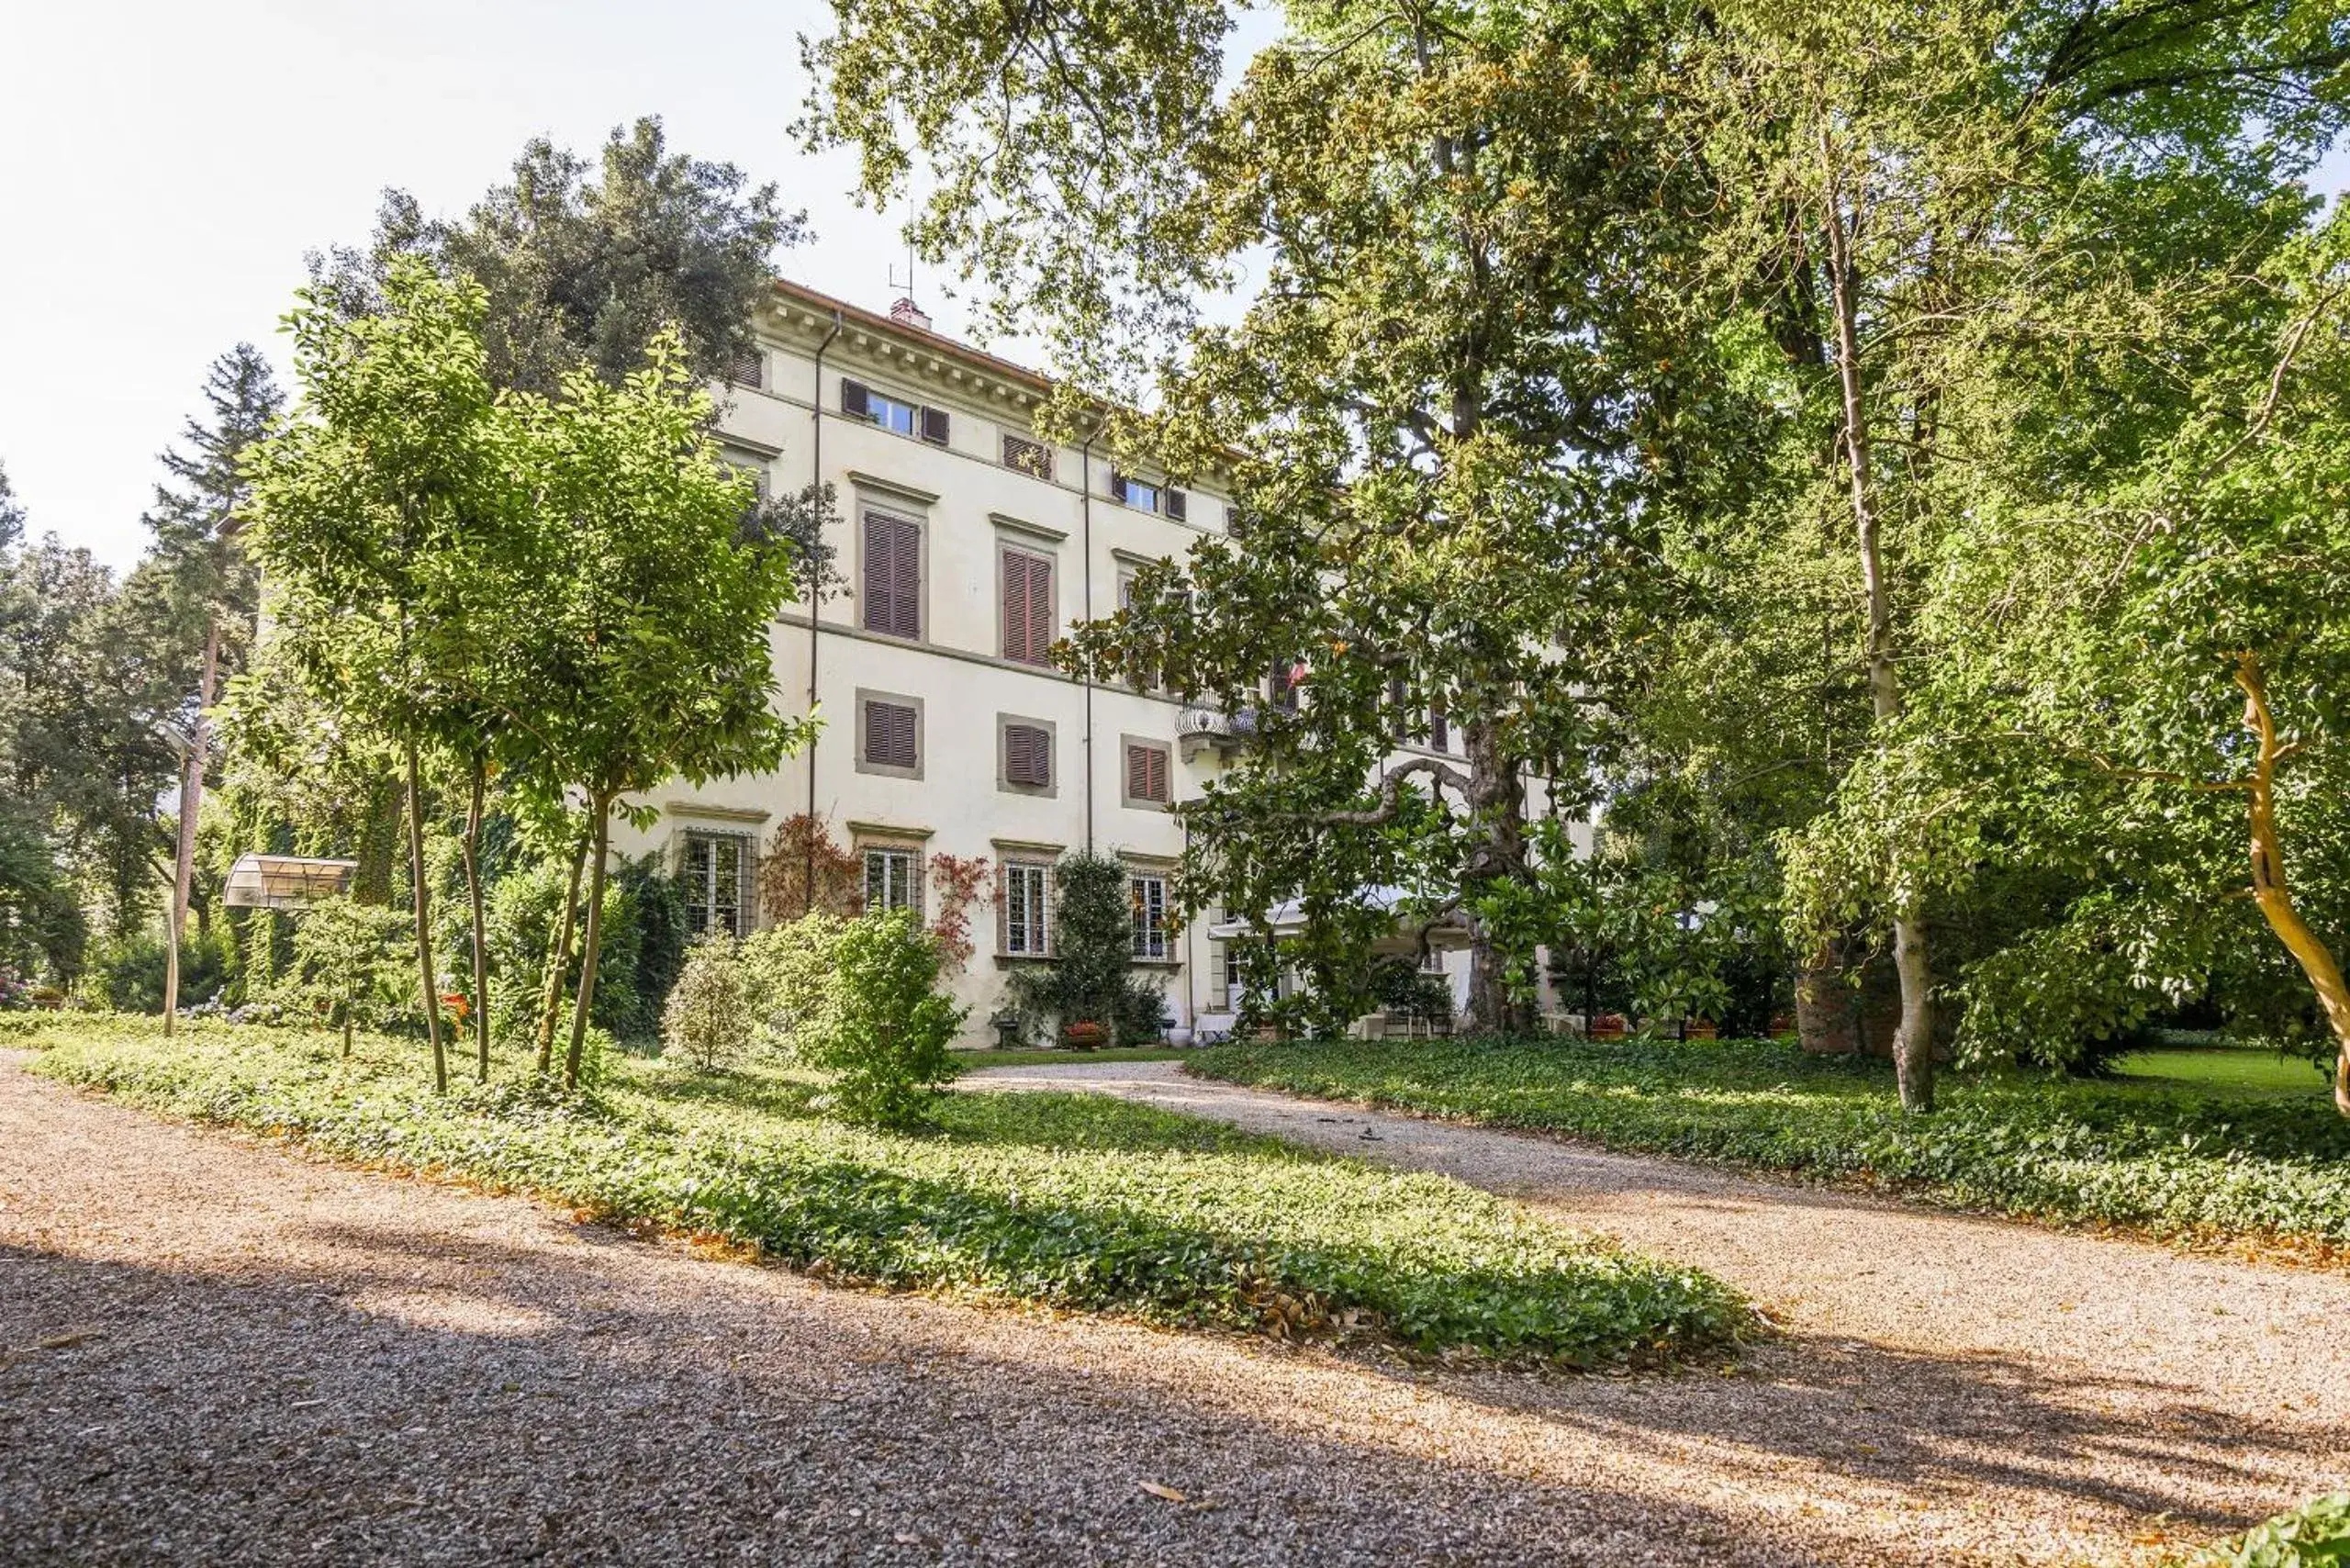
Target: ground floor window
894,880
1025,897
1150,915
714,880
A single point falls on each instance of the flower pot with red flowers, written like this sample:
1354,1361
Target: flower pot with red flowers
1608,1027
1085,1035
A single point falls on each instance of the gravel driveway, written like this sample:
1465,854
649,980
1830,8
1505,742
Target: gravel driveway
218,1351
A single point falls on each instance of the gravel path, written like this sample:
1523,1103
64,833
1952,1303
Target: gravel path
2077,1386
220,1351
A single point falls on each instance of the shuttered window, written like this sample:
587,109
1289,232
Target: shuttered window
1146,774
1026,897
860,401
1439,727
892,576
1178,503
1027,607
1027,756
1031,457
933,426
748,369
890,734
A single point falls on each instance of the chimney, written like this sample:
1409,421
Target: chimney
906,313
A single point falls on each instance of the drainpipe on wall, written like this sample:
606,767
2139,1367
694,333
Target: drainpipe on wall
1085,534
815,595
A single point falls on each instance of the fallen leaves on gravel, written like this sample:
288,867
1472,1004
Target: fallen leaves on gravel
1167,1493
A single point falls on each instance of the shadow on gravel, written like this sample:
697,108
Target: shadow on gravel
377,1402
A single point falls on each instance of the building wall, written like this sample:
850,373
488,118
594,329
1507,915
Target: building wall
969,507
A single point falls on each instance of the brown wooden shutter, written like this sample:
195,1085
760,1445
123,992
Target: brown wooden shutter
892,576
1138,773
1027,755
890,734
1117,485
1040,610
1016,603
1176,502
853,400
933,426
1157,774
1028,456
1439,728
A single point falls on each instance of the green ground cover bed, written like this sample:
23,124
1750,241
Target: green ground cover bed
1033,1057
2175,1161
1072,1201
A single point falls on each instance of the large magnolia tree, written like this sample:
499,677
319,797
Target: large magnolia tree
1453,401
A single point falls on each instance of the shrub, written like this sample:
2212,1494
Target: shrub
125,973
2315,1535
1089,978
877,1021
354,965
788,973
706,1022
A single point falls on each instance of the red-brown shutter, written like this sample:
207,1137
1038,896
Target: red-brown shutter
892,576
1157,773
1040,610
890,734
1138,773
1176,502
1027,755
853,400
1015,604
933,426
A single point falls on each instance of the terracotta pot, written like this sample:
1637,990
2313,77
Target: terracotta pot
1084,1035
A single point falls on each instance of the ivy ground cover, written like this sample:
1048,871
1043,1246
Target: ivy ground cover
1070,1201
2169,1161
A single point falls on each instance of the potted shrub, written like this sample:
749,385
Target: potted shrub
1084,1035
1607,1027
1700,1029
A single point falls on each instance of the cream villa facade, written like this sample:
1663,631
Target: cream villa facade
968,546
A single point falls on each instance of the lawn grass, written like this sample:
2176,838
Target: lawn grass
1070,1201
2227,1070
2172,1161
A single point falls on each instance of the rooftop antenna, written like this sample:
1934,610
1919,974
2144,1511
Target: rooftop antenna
903,310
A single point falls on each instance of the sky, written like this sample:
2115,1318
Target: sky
167,166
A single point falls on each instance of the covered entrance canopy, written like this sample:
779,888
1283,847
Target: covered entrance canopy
1287,920
285,881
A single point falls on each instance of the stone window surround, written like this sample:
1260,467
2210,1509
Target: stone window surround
921,738
1051,788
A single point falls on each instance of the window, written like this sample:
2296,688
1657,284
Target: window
1150,915
1178,503
894,880
860,401
1030,457
1440,726
889,736
1133,491
1288,675
747,369
1027,579
1028,756
1027,896
1145,774
892,576
714,873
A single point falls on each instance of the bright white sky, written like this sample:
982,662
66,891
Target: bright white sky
166,165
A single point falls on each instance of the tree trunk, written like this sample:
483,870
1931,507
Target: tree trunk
559,958
480,931
2268,888
1496,802
1827,1005
422,903
191,804
603,831
1913,1050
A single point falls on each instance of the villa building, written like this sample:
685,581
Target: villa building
968,545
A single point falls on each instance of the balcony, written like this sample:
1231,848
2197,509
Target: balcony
1199,729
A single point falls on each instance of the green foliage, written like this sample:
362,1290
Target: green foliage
791,971
592,269
2168,1160
642,951
2315,1535
706,1022
1069,1201
1089,978
354,966
125,973
877,1022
